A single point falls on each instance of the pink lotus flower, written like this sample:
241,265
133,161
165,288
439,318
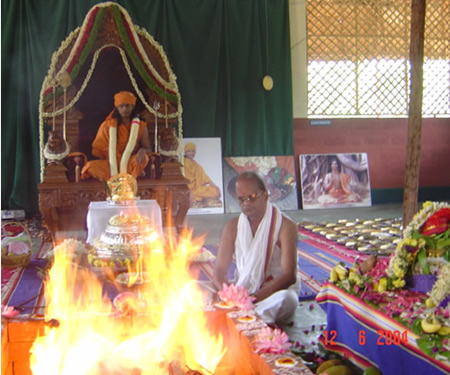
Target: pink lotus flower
237,296
271,340
9,311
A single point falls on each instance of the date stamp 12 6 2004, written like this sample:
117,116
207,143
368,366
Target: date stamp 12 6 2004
385,337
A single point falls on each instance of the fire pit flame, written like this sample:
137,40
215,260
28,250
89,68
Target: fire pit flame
167,335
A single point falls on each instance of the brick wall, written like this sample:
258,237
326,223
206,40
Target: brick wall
384,141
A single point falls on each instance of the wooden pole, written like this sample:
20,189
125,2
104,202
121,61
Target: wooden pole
411,182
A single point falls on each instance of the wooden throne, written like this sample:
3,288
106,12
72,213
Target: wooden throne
107,54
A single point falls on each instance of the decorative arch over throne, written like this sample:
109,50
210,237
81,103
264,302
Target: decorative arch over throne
107,54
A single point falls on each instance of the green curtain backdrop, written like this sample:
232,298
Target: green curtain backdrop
219,50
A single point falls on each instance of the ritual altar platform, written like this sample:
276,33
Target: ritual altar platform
369,337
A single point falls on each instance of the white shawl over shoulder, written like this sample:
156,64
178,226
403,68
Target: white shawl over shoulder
253,254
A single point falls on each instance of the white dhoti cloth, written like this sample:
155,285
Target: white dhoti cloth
258,259
279,307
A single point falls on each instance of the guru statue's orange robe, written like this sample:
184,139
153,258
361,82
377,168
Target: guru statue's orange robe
100,169
200,185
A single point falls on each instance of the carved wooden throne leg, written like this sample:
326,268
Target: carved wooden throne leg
50,218
180,205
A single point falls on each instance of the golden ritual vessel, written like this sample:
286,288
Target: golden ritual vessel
122,188
127,233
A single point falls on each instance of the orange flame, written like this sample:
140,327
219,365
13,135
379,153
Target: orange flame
166,326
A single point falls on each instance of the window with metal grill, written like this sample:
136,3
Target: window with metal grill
358,53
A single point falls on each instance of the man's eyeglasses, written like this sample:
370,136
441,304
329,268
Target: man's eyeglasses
250,198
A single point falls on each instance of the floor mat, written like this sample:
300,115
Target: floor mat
22,287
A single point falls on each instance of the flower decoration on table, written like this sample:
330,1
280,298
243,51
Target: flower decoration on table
372,286
440,293
236,296
411,308
422,254
421,257
339,272
434,331
361,278
271,340
424,249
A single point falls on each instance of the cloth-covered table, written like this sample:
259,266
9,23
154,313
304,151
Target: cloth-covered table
370,338
99,214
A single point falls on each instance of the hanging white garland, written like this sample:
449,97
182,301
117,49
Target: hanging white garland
112,150
112,147
134,132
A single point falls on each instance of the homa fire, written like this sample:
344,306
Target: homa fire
157,327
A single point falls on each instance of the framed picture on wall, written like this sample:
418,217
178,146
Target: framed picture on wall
278,173
335,180
203,168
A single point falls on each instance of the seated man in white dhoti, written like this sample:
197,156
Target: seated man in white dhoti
263,241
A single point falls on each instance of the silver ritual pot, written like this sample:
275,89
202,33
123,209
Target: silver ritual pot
120,245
